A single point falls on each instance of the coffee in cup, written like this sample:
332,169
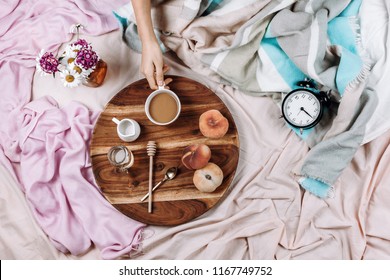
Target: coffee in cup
162,106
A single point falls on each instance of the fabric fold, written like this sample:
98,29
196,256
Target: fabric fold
60,188
45,147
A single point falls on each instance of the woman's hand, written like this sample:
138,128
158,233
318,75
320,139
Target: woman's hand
152,64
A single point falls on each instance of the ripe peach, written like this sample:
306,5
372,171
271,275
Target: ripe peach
208,178
213,124
196,156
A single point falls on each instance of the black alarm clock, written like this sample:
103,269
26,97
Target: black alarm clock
303,108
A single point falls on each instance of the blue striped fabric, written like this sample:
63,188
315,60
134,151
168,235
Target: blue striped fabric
213,4
285,66
315,187
341,32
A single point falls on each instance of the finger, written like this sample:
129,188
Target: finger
151,81
159,75
148,74
165,68
148,71
168,80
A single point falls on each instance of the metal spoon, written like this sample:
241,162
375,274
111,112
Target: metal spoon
169,175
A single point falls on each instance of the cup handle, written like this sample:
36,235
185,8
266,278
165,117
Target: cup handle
161,87
115,120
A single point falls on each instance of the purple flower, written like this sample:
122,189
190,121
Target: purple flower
82,43
86,59
48,63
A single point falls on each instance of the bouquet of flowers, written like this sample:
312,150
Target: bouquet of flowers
75,64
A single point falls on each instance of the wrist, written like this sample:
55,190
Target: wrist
147,36
149,42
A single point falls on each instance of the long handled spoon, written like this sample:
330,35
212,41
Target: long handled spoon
169,175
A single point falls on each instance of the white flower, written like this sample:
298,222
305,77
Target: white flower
83,72
69,55
72,49
71,78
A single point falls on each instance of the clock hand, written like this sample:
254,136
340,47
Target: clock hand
303,109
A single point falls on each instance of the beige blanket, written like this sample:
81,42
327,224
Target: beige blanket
266,215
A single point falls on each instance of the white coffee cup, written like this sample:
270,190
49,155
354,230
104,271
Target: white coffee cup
167,106
128,129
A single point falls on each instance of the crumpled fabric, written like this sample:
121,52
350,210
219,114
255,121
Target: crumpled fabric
45,147
58,182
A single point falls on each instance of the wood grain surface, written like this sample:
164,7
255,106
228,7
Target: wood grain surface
176,201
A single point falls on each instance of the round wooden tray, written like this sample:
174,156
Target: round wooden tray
176,201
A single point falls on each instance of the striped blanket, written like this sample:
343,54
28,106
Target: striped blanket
264,48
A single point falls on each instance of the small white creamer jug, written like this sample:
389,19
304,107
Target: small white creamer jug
128,129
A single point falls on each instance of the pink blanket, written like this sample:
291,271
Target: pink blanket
39,143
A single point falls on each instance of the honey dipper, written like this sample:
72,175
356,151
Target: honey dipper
151,150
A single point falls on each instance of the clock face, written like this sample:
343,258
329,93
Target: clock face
301,108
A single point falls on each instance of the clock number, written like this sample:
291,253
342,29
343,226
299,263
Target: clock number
310,98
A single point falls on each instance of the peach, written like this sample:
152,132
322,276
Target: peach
208,178
196,156
213,124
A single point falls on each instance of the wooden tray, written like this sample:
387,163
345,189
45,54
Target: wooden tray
176,201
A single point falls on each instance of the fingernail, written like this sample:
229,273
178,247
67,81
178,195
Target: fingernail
160,83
